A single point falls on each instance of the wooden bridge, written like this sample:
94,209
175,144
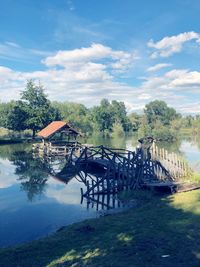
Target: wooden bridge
125,169
105,171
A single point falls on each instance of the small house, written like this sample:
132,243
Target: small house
57,139
58,130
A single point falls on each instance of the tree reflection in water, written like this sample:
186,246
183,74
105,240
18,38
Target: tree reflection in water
32,173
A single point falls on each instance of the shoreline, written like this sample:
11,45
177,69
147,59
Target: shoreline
140,235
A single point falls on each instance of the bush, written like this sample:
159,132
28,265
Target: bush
117,129
164,133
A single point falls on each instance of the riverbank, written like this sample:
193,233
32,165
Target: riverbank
157,232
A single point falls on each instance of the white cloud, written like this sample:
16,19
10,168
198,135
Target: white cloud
134,107
7,176
170,45
187,79
5,73
176,79
77,57
190,108
87,75
158,67
175,87
64,194
12,44
144,96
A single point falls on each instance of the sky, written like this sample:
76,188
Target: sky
135,51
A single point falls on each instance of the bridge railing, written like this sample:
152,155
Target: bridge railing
131,169
175,164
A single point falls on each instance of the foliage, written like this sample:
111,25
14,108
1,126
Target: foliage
17,117
196,177
117,129
160,121
33,111
102,116
77,115
196,125
159,111
107,115
144,129
176,124
5,111
135,121
37,107
118,111
164,133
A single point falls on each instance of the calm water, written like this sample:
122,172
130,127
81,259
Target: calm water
34,204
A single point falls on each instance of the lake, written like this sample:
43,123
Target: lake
34,204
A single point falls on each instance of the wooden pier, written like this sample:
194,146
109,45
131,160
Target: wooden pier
56,148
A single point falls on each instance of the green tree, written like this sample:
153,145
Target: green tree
17,117
34,111
117,130
76,114
120,115
135,121
5,110
159,111
102,116
144,129
188,121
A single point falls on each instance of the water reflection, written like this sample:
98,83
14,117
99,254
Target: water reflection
115,142
34,203
195,140
171,147
38,196
32,173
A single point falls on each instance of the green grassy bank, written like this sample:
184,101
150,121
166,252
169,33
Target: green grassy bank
157,232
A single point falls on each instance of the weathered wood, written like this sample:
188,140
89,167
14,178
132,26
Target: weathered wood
130,169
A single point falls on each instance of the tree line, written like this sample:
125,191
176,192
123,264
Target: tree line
34,111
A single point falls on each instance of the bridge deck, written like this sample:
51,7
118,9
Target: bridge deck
172,186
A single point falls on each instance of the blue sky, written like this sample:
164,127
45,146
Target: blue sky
85,50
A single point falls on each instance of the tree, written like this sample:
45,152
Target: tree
117,130
144,129
119,114
17,117
5,110
76,114
102,116
33,111
159,111
135,121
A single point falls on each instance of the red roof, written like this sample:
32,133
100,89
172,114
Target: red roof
54,127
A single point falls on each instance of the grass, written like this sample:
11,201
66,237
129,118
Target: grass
160,232
196,177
